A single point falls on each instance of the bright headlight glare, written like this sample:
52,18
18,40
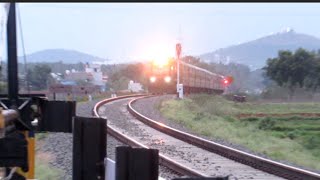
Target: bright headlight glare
167,79
152,79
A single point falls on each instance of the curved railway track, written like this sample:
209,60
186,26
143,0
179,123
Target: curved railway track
230,153
165,161
264,164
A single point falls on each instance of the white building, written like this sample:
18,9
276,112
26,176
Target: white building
134,87
97,76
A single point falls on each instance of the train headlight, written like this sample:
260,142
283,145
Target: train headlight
152,79
167,79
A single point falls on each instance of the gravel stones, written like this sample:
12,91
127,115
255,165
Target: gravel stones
59,147
179,151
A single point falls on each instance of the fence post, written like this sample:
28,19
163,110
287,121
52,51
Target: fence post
89,148
137,163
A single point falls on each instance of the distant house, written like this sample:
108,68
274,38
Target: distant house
56,76
92,74
68,82
95,71
98,77
134,87
76,76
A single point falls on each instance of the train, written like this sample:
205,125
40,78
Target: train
162,78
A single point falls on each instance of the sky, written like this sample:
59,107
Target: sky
131,31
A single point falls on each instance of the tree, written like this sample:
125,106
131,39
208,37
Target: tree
291,69
312,80
38,76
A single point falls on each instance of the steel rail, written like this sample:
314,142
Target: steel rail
254,161
163,160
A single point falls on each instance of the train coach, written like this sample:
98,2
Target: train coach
163,78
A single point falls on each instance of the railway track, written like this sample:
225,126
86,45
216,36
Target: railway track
240,171
165,161
264,164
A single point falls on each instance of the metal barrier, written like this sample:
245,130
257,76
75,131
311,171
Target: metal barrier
136,163
89,148
111,170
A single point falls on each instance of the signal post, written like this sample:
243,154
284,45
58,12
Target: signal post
179,86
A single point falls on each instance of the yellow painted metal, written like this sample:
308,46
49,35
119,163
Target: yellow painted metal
2,133
2,123
31,155
29,135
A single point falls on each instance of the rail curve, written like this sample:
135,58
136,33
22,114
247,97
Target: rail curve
163,160
257,162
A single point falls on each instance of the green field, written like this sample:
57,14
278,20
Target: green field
294,139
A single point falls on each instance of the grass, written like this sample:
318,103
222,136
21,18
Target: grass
41,136
219,104
43,170
293,139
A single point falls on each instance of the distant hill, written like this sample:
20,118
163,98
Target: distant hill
64,55
255,53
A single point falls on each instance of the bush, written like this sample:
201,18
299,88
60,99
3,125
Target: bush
292,135
266,123
251,119
312,143
199,116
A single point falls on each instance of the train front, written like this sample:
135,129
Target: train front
162,77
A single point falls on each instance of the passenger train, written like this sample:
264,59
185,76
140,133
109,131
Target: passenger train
163,78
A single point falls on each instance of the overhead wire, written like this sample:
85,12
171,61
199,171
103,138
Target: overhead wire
23,49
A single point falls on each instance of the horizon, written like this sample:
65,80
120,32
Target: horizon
271,34
133,28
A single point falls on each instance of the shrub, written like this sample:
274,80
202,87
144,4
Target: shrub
199,116
266,123
251,119
312,143
292,135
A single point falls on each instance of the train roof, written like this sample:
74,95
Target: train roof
201,69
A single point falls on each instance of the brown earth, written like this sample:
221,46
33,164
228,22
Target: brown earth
244,115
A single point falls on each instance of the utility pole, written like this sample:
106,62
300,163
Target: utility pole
178,51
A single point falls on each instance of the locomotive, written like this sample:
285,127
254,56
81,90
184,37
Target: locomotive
162,78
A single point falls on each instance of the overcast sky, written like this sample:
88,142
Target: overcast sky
129,31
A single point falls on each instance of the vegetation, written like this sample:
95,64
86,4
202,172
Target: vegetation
56,67
300,69
219,105
40,136
38,76
244,79
43,170
120,75
3,87
292,139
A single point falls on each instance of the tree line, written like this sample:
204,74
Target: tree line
293,70
290,70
